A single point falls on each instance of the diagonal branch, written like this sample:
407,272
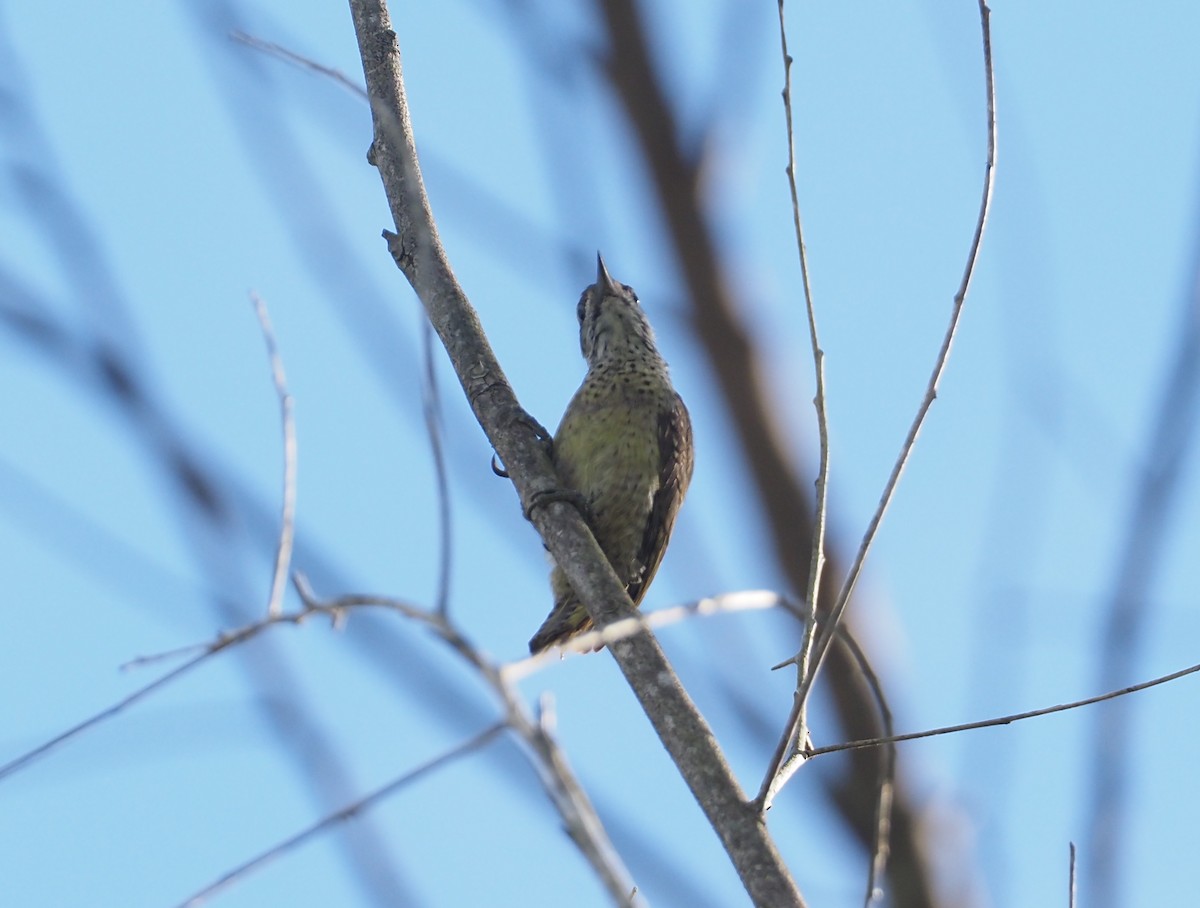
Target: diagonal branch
516,438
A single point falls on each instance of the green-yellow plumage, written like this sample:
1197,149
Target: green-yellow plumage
625,444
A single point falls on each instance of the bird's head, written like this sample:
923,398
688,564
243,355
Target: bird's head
612,324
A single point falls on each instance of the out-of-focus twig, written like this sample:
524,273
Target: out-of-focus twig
429,399
1164,462
287,521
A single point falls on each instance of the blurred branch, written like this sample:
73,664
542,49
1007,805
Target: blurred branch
1168,446
782,765
517,439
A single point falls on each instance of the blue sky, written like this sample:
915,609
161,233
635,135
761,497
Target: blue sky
156,172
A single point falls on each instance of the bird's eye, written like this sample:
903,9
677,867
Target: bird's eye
633,296
581,308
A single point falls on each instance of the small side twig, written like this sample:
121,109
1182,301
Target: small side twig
1005,720
206,651
287,522
741,601
290,56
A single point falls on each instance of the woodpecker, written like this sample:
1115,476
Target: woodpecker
624,444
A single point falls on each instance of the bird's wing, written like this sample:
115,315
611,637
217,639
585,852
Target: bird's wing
674,474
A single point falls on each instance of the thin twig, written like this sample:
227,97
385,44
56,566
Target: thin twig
1071,879
290,56
429,389
207,651
1005,720
817,557
776,776
742,601
345,813
287,522
433,426
42,750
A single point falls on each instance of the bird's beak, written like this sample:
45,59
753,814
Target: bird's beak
603,279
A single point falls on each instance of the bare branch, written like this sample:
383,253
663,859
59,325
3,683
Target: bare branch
881,846
512,432
776,777
742,601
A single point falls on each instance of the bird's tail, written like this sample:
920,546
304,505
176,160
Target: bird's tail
568,619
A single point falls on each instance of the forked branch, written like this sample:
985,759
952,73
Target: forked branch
789,752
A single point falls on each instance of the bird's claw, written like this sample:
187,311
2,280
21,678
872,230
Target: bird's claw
544,497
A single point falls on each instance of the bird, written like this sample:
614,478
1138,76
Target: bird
624,445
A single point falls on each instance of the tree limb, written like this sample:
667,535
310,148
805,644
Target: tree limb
518,439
